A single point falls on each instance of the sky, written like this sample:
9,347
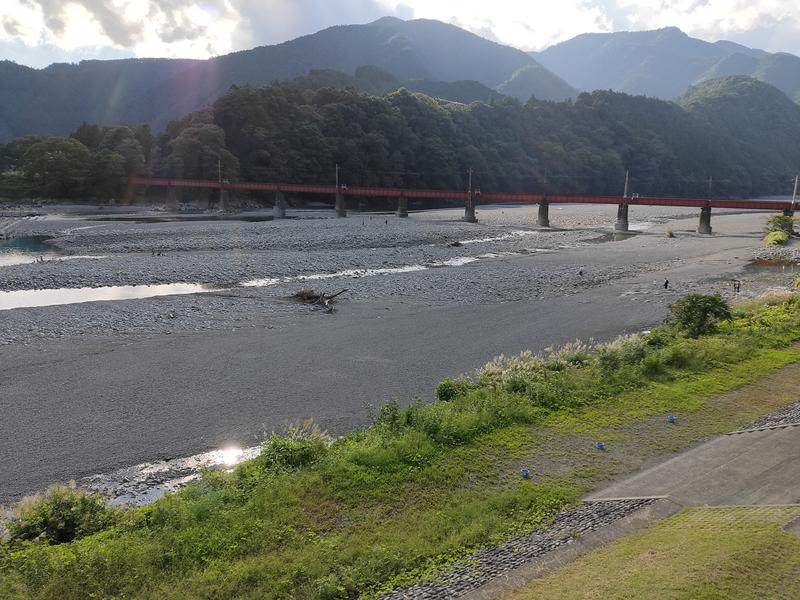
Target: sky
39,32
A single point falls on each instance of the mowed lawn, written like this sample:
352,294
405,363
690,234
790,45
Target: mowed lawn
699,554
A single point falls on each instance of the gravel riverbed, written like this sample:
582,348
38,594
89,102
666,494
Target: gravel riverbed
251,268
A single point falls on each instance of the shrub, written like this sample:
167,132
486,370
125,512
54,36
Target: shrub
776,238
652,366
677,357
698,314
60,515
669,233
450,389
658,338
389,416
780,223
607,359
301,446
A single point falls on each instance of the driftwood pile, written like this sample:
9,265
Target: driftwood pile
318,298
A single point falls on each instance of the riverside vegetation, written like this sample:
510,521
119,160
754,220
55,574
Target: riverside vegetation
386,505
779,230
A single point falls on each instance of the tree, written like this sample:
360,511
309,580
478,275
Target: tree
89,135
123,141
57,167
698,314
198,152
107,177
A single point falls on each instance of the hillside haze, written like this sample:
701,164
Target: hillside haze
55,100
664,63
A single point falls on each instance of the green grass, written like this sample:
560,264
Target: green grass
701,553
424,484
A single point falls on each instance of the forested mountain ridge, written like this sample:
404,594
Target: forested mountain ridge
57,99
664,63
763,129
738,131
377,82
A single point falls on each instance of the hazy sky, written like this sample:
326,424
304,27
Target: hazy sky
38,32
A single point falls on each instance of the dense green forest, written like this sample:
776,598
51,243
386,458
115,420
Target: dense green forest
738,131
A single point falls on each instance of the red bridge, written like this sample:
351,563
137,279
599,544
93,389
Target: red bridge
473,197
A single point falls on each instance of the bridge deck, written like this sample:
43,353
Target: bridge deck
482,198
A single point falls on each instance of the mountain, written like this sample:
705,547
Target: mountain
57,99
754,117
663,63
377,82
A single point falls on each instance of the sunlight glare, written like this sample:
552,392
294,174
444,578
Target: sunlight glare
229,456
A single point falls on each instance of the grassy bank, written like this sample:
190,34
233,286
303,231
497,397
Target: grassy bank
730,552
425,484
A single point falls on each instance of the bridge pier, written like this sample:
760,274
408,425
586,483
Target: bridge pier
469,209
402,207
172,198
279,209
544,214
341,210
622,218
704,227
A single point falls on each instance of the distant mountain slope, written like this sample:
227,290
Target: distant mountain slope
752,116
533,80
663,63
374,80
57,99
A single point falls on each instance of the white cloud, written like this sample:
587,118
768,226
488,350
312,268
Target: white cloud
35,30
531,25
536,24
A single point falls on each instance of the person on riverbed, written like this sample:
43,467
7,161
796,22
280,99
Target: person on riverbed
666,284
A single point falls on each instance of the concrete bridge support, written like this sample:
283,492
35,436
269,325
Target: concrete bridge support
704,227
622,218
402,207
469,210
279,209
341,210
544,214
172,198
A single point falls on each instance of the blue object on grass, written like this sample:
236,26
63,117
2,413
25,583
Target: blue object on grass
600,446
672,419
526,474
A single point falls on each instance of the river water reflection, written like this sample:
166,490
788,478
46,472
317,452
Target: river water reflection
24,250
34,298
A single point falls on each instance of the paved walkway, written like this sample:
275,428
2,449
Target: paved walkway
753,467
